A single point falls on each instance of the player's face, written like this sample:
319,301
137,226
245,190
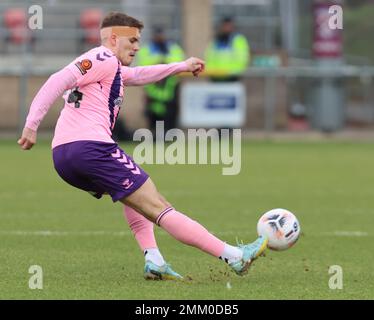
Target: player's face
128,47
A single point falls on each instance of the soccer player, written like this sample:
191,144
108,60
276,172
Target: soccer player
86,157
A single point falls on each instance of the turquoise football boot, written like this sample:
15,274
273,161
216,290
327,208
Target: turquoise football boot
251,252
155,272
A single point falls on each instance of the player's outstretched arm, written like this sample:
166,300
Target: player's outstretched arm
47,95
139,76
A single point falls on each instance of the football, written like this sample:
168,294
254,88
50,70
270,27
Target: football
281,227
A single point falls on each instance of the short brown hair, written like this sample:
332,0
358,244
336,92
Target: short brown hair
117,19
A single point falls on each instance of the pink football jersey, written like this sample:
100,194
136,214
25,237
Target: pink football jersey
95,82
92,106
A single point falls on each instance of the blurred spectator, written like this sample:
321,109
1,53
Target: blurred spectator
161,97
228,55
15,22
89,22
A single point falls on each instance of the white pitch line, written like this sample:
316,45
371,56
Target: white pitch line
350,234
49,233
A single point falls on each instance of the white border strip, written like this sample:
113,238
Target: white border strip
49,233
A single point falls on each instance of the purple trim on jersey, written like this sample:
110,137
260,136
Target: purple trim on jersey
113,96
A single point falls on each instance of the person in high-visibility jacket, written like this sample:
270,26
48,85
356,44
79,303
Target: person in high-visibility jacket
228,56
162,96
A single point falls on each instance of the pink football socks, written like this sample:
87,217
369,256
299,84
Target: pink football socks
182,228
189,232
143,231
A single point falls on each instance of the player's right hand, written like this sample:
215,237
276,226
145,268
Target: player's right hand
195,65
28,139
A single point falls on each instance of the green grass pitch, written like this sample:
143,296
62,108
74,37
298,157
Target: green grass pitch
86,250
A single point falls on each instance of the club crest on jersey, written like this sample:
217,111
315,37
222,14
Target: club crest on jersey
84,66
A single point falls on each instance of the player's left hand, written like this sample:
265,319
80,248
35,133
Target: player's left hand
28,139
195,65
